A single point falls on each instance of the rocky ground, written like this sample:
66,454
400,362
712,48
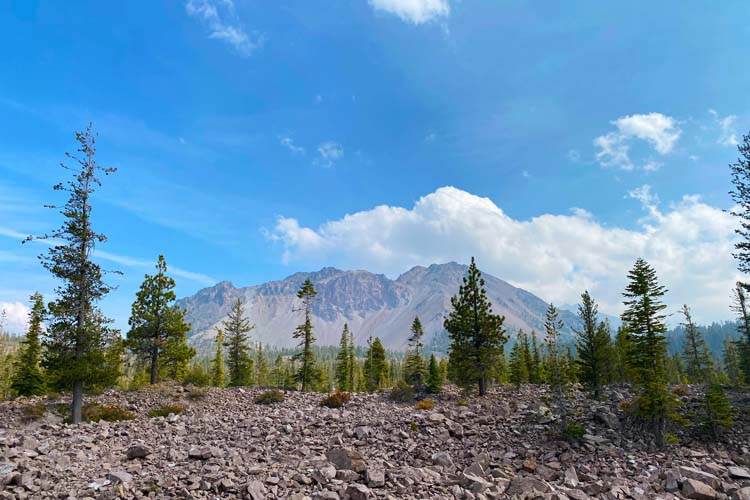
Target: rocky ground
226,446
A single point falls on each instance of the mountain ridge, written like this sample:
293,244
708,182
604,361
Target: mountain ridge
372,304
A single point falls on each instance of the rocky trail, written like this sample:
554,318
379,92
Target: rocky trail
224,445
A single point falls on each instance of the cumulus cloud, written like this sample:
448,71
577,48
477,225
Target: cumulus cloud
222,23
14,316
555,256
413,11
328,154
659,131
726,126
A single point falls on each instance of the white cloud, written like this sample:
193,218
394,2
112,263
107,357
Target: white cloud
413,11
574,156
16,317
288,143
727,131
222,22
659,131
553,256
328,154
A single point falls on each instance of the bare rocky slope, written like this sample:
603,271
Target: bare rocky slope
372,304
226,446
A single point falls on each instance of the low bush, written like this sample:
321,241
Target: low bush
34,411
94,412
462,402
166,410
402,393
269,397
680,390
336,399
425,404
574,431
197,393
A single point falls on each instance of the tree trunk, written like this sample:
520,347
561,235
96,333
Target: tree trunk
154,366
77,402
482,386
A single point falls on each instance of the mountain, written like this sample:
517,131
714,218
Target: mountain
372,304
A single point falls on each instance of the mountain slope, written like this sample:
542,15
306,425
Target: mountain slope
372,304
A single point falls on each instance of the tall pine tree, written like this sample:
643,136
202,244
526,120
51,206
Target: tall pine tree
235,330
434,377
342,362
218,378
376,367
158,331
477,335
307,372
415,370
644,320
741,307
28,378
558,379
593,346
77,336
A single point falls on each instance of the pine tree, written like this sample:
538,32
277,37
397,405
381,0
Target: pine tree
732,363
277,374
620,356
342,362
217,365
534,360
519,370
648,350
375,368
415,370
158,331
700,370
477,335
77,336
443,366
593,344
434,377
28,378
307,371
742,308
553,326
352,363
235,330
261,366
741,196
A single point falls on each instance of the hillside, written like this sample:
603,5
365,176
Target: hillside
371,303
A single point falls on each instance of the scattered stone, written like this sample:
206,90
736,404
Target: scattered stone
697,490
137,451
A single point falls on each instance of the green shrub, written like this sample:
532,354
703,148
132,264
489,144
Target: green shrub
34,411
574,431
425,404
336,399
680,390
94,412
462,402
197,393
197,375
166,410
671,439
402,393
269,397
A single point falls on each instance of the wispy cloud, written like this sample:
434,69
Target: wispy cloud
328,154
659,131
413,11
119,259
288,143
726,125
220,18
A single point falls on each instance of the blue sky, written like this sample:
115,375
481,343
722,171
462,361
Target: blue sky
255,139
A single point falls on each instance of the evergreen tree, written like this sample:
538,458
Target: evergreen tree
732,363
343,369
742,308
28,378
620,356
217,365
158,331
307,371
592,344
415,370
648,350
235,331
77,336
352,362
443,366
434,377
477,335
261,366
375,368
741,196
700,370
534,360
519,371
557,376
277,373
